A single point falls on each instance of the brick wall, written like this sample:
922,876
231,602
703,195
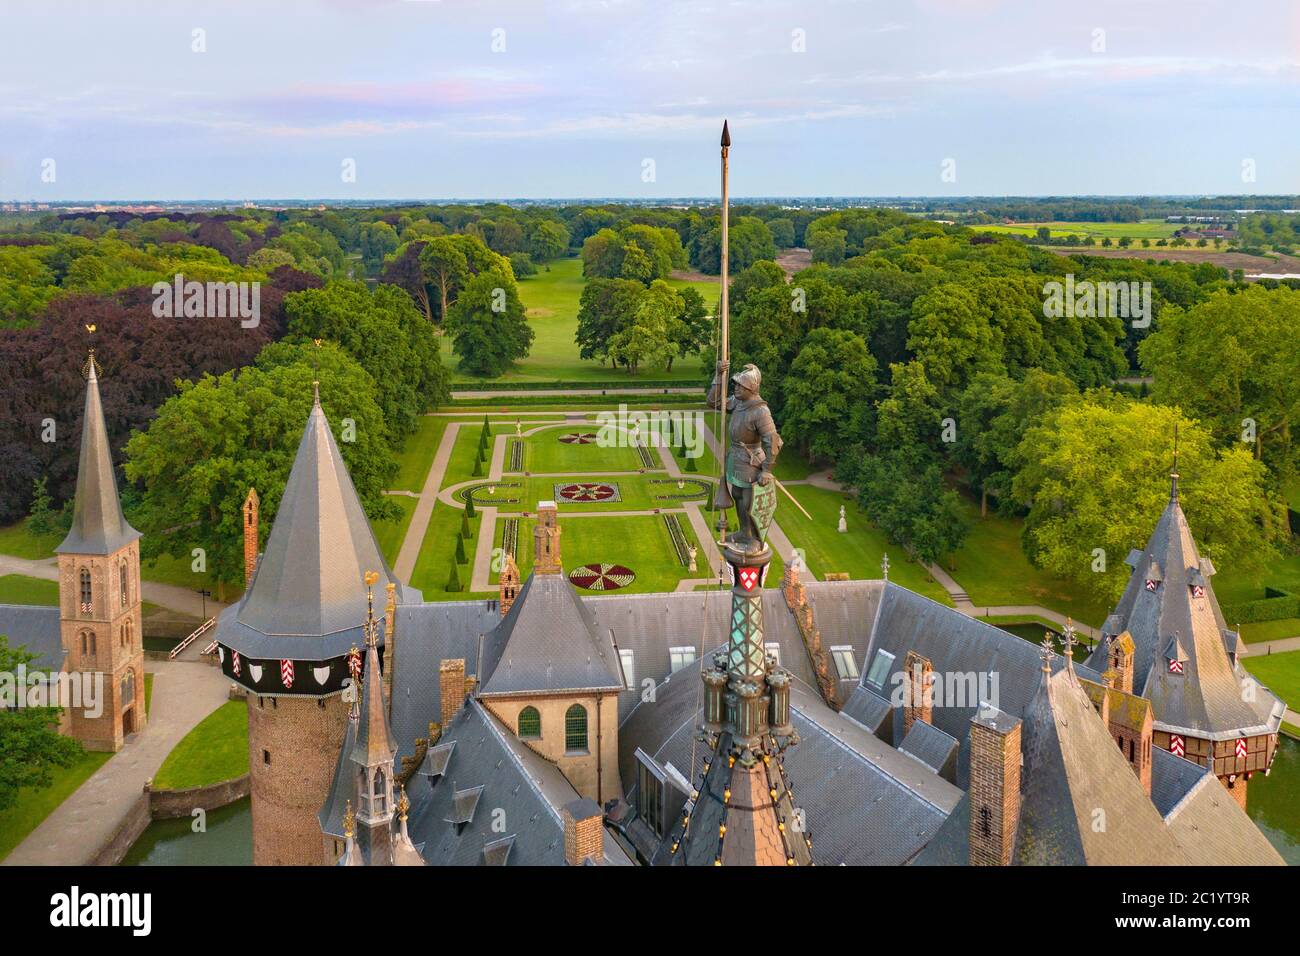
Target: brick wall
302,740
994,793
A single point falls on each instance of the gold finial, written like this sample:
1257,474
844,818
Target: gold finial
91,369
349,821
403,805
90,327
371,636
1047,651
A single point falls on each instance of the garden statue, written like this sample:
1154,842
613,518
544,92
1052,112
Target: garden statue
844,525
691,552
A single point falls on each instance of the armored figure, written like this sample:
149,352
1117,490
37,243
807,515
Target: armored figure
752,447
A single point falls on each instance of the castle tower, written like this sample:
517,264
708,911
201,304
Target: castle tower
99,591
546,540
287,643
1175,649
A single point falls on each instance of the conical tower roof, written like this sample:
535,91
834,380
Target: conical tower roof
1171,612
98,525
309,582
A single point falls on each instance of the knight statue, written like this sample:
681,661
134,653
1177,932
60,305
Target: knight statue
752,448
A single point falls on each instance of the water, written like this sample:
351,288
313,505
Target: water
228,840
1273,802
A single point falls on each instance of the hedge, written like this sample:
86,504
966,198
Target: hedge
1276,606
630,382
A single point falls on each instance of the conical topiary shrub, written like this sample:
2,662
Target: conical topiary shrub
691,465
460,550
478,468
453,580
469,506
465,532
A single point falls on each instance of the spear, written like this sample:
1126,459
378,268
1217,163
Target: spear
724,350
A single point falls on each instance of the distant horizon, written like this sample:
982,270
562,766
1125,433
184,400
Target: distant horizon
604,98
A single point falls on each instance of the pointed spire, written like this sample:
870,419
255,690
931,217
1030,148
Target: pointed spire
375,745
726,135
1048,652
315,394
98,525
1069,644
884,565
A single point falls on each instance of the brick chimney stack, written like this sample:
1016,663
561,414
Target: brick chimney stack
584,832
452,688
994,786
1120,659
546,540
918,684
508,584
251,507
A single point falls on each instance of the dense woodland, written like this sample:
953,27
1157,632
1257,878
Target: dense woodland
913,357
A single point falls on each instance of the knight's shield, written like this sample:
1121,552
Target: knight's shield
763,506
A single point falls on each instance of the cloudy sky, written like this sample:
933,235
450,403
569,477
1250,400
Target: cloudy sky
587,98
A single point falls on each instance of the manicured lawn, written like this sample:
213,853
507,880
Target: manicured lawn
857,551
993,570
1233,585
390,534
414,460
544,453
16,541
639,542
552,298
1269,630
215,750
1280,673
461,465
168,570
20,589
636,493
437,551
33,806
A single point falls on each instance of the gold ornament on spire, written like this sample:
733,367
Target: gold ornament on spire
349,821
403,805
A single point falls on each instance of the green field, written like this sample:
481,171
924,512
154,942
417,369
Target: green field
1280,673
544,453
15,541
857,551
33,806
551,298
1146,229
415,458
992,568
20,589
214,751
1270,630
639,542
390,533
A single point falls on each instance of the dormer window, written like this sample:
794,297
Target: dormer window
1175,666
1198,590
1152,584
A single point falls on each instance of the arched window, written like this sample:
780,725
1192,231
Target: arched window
86,595
530,723
128,689
130,632
122,581
380,793
575,728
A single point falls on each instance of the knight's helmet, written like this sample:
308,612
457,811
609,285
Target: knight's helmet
749,377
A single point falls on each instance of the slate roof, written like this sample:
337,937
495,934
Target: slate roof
308,598
37,629
527,789
1206,700
866,804
932,747
342,784
98,525
1072,770
870,710
1213,830
1172,778
956,645
548,642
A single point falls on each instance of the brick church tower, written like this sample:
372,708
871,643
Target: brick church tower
99,592
287,643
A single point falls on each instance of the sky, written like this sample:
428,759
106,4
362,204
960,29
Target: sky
442,99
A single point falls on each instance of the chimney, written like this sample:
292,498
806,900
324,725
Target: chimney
994,786
1120,659
508,584
390,643
584,832
792,587
451,688
918,684
251,506
546,540
1142,758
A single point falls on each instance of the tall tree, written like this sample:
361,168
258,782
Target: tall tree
488,324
